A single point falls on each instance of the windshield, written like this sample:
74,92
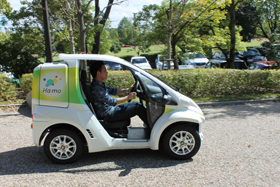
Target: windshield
138,60
193,55
199,56
251,53
223,56
172,86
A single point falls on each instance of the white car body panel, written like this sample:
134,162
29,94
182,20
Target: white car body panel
81,117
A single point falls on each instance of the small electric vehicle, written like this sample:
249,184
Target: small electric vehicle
64,121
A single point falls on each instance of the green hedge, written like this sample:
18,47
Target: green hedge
193,83
26,83
7,89
208,82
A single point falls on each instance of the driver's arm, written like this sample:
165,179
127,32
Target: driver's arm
131,96
125,90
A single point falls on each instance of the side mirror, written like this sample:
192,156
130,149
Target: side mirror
166,99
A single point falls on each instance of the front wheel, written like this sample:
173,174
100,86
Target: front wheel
63,146
181,142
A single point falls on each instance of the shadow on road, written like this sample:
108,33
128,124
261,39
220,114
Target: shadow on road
30,160
16,111
25,110
242,110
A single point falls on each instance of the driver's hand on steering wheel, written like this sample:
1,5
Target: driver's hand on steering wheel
132,95
131,87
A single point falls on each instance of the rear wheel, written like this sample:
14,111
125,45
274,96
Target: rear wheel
63,146
181,142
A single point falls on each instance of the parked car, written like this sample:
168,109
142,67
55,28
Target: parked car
216,63
263,51
112,66
219,60
159,61
250,56
141,62
186,67
196,59
263,65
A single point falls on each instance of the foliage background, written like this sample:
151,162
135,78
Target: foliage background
208,82
198,83
7,89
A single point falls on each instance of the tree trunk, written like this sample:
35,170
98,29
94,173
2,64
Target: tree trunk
169,33
97,37
82,26
72,44
232,35
173,44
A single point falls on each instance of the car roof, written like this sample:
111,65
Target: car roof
97,57
138,57
88,57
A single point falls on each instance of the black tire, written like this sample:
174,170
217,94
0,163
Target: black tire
176,146
63,146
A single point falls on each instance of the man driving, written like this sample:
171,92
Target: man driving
106,107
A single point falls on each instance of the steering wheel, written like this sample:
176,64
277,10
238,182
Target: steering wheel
135,89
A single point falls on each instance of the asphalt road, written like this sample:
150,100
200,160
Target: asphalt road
241,147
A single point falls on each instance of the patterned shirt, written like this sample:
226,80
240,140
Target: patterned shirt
103,102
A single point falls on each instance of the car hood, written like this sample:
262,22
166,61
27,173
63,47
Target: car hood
186,67
197,60
143,66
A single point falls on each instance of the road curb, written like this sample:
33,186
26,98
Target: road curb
238,102
23,104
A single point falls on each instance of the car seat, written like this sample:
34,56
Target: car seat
117,129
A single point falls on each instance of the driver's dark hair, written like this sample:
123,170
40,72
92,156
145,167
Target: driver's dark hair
95,66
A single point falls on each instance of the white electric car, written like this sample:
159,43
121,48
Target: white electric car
64,120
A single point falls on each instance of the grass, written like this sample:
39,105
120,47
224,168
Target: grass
253,44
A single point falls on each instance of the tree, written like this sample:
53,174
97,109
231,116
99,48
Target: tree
247,17
116,45
180,18
5,7
232,23
124,31
99,23
29,21
268,10
147,28
268,25
16,55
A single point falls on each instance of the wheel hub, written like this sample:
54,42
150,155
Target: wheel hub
182,142
63,147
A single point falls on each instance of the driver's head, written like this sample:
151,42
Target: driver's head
96,66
